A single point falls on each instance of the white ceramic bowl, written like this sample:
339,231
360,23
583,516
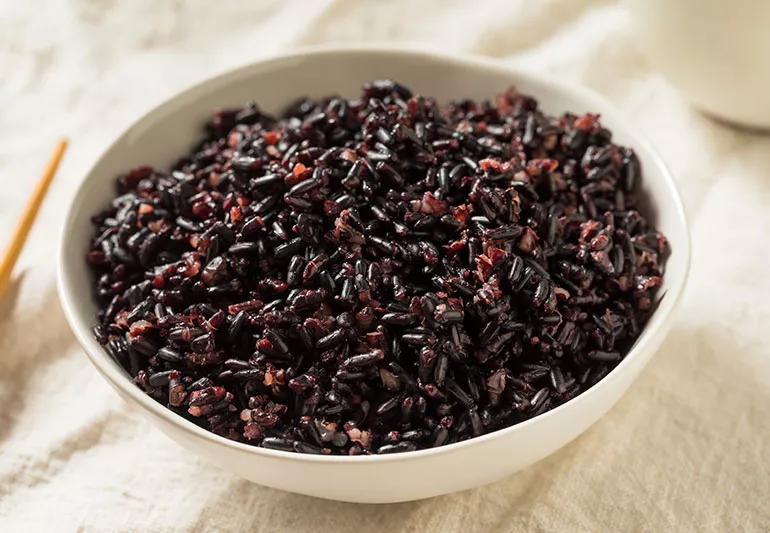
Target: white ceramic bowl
171,128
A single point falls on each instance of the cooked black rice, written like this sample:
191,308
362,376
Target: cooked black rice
377,275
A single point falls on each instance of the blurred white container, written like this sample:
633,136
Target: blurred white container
716,52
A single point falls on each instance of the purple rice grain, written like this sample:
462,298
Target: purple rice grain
377,275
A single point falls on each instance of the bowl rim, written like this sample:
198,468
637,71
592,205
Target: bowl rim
656,324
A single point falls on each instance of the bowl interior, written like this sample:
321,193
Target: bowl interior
172,128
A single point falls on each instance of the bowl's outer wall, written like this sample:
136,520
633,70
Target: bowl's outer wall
173,128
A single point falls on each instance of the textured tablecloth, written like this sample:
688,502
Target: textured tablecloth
685,450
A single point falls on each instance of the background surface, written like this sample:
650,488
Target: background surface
687,447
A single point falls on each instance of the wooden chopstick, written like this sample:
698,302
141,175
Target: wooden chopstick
28,217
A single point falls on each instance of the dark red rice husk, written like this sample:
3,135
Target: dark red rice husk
377,275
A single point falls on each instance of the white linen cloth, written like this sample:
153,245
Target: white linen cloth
687,449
